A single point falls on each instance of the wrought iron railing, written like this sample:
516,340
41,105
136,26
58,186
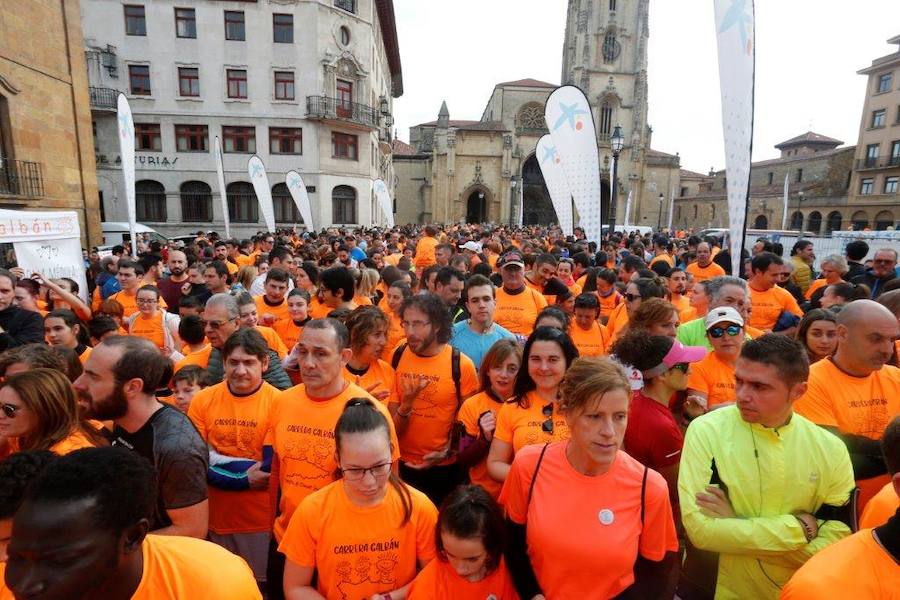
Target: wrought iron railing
102,97
21,178
323,107
877,163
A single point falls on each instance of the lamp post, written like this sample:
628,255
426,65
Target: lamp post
659,214
616,143
512,197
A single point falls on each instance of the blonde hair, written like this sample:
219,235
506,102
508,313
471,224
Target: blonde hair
589,377
368,279
246,275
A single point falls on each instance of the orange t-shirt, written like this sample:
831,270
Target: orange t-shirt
604,507
85,355
715,378
379,374
439,581
768,306
317,310
524,426
618,322
360,551
854,567
199,358
289,332
150,328
280,310
395,332
704,273
434,409
235,426
593,342
75,441
609,302
681,304
517,312
303,438
245,260
425,252
469,413
815,285
880,508
273,340
183,567
662,258
129,302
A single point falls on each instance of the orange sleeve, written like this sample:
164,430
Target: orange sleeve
816,404
541,301
469,384
424,586
514,497
504,429
658,534
697,380
468,417
298,543
197,411
425,527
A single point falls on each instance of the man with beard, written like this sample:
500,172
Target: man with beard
475,335
119,383
448,286
432,380
17,326
170,287
677,283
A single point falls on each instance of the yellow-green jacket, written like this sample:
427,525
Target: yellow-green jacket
769,475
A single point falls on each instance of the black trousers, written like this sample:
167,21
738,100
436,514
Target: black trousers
436,482
275,572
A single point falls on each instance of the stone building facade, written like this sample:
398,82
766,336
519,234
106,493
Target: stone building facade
46,150
307,85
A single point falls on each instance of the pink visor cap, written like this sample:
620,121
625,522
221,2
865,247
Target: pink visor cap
678,353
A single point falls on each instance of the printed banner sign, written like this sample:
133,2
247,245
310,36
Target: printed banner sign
384,201
301,198
220,178
555,178
260,182
126,149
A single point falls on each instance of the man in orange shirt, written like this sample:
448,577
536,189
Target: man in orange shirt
517,304
220,253
95,506
855,394
272,304
432,379
543,270
704,268
768,301
885,503
425,249
677,284
232,418
130,275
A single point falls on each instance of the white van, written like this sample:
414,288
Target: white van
118,232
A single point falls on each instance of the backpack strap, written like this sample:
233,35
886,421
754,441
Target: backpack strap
457,375
534,478
398,354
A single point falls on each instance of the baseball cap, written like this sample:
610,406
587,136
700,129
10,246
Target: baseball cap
677,354
723,314
473,246
511,258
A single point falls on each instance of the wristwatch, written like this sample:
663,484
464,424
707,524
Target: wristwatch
807,530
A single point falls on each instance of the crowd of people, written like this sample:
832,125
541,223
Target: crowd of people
452,411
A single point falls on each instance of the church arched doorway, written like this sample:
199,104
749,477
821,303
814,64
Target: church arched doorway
476,207
537,209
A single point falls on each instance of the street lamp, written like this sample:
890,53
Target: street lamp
659,214
512,197
616,143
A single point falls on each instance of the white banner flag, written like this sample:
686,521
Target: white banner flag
384,201
671,209
301,198
126,150
555,178
627,220
784,210
571,126
223,196
737,57
260,182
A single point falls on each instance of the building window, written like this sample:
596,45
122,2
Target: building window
696,211
770,177
239,140
196,202
895,153
606,114
147,137
884,82
345,36
343,145
871,155
799,175
284,85
612,4
684,192
139,79
890,184
878,117
343,204
189,81
185,23
285,140
283,29
243,207
712,212
234,25
344,99
135,20
191,138
348,5
285,209
866,186
237,83
611,47
150,201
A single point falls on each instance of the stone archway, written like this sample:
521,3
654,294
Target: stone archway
761,222
537,209
476,206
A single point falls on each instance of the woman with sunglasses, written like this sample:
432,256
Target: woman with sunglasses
711,382
39,411
636,292
532,416
365,535
62,328
478,414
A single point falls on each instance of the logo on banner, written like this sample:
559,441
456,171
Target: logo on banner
571,114
739,16
550,153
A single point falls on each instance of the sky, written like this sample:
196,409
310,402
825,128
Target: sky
807,55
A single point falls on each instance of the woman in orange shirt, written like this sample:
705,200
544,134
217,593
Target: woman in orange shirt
711,380
532,415
478,414
365,534
470,543
289,330
818,334
39,411
699,303
64,329
368,327
397,293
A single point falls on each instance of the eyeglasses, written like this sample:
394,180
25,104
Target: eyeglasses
378,471
10,410
631,297
683,367
414,324
215,324
146,301
731,330
547,426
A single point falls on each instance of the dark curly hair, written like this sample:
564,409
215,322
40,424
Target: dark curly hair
436,311
16,473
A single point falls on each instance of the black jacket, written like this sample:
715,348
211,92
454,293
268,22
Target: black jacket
20,327
874,283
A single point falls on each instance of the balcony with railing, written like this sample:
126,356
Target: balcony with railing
103,98
21,178
336,109
863,164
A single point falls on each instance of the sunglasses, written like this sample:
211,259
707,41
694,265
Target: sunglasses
9,410
215,324
631,297
731,330
547,426
683,367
